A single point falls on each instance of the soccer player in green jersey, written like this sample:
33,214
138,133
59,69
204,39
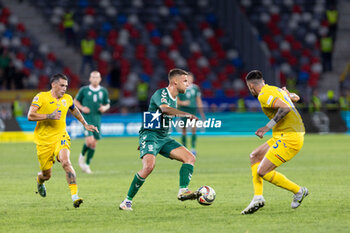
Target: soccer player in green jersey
162,107
92,100
191,102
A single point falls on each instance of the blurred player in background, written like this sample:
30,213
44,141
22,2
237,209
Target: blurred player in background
156,140
287,140
191,102
92,100
50,109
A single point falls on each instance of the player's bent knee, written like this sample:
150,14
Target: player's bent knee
255,157
261,173
191,159
47,176
148,168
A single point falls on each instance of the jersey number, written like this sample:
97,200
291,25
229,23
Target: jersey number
276,144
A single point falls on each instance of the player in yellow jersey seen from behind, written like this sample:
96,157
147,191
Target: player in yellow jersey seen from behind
49,109
287,140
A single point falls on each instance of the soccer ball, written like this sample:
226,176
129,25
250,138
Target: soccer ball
208,195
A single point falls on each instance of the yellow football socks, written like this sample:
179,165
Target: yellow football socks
280,180
257,180
37,179
73,189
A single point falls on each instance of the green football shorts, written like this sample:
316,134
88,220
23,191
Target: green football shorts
153,143
96,135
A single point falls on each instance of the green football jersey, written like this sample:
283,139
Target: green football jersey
160,97
93,98
191,94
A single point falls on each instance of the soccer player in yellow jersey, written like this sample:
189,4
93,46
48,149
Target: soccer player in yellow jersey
52,141
287,139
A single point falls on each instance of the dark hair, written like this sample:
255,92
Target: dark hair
254,75
56,77
175,72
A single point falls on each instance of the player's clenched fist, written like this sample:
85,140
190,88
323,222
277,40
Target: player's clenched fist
56,115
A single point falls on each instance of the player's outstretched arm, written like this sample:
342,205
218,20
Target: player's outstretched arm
283,110
175,112
294,97
76,113
81,107
34,116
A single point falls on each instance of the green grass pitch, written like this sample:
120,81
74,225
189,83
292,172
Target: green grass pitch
223,163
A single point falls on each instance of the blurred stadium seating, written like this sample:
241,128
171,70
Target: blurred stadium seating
26,63
134,34
291,30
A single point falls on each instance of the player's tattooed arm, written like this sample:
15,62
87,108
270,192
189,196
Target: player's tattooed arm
76,113
34,116
55,115
281,112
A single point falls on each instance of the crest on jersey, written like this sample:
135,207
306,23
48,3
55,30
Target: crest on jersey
64,102
36,98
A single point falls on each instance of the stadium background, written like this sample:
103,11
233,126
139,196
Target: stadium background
218,41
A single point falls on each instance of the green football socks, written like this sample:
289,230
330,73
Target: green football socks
90,154
194,139
183,140
135,186
85,148
186,171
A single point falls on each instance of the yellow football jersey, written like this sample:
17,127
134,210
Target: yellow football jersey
292,122
49,131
